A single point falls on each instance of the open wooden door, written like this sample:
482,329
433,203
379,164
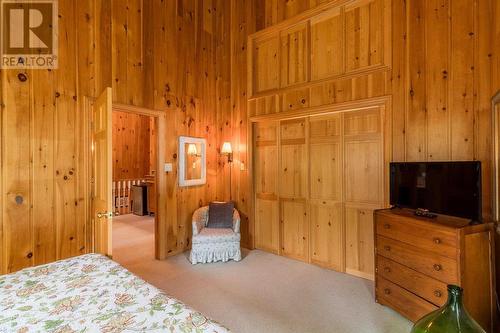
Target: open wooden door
102,207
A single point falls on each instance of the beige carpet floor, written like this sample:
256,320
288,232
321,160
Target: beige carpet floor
262,293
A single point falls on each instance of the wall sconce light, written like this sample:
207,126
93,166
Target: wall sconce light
227,150
192,151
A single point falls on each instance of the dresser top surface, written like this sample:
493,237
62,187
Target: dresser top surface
442,220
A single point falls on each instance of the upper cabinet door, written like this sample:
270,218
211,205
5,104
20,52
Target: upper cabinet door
294,55
334,42
265,64
364,28
327,40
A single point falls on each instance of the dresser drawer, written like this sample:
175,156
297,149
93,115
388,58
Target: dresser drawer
441,268
426,236
428,288
409,305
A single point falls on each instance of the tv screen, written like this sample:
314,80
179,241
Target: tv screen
449,188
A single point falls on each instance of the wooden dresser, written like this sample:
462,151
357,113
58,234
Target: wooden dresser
416,257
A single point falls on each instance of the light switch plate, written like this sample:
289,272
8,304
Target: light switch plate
168,167
242,166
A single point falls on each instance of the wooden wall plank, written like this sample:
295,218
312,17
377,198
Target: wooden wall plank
43,119
399,77
462,70
437,66
120,50
416,131
134,49
66,139
483,92
16,172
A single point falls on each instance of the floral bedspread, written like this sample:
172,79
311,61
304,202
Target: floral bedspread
91,293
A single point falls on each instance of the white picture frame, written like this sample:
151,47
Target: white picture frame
183,182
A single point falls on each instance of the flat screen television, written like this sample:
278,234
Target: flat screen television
449,188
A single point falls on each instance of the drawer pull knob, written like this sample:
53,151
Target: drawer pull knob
387,291
437,267
437,240
437,293
387,269
387,248
387,226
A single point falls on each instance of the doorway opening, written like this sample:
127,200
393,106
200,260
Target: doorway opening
148,198
134,160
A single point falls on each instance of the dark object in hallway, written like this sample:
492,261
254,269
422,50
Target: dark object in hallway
140,199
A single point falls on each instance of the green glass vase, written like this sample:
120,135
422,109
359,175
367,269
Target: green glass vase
450,318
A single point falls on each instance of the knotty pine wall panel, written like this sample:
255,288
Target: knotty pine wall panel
177,60
446,96
45,198
173,56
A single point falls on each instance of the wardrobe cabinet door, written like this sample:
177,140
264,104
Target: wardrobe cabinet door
363,172
295,229
327,229
293,175
265,184
267,225
326,171
360,252
266,169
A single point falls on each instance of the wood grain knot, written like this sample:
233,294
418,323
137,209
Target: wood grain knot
22,77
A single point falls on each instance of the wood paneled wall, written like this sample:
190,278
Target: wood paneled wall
189,58
173,56
44,191
233,120
442,83
133,146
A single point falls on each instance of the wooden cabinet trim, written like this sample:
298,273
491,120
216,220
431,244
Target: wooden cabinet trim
325,110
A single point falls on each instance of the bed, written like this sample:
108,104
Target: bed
91,293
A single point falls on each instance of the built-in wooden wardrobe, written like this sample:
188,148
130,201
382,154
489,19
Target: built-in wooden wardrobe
317,180
319,100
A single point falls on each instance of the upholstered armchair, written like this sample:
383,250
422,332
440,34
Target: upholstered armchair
214,244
